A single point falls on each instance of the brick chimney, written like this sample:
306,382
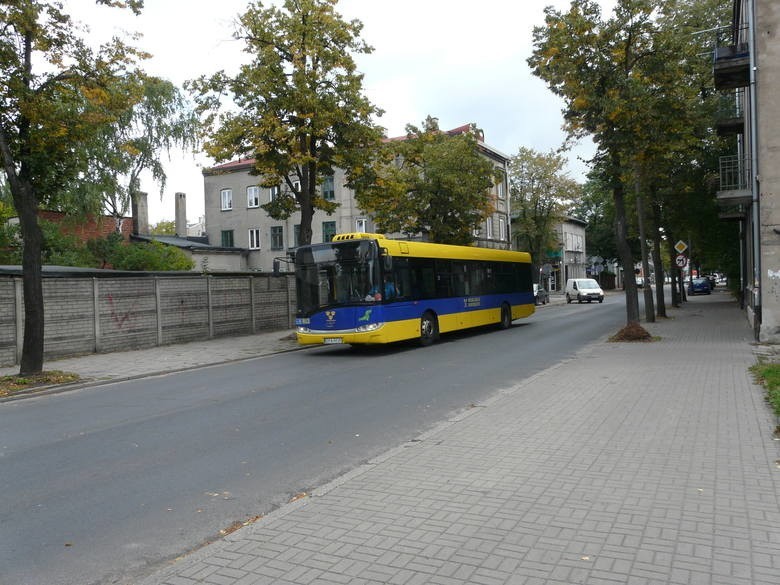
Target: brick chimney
181,215
140,211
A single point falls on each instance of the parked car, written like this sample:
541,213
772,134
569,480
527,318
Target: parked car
541,296
583,289
699,285
713,280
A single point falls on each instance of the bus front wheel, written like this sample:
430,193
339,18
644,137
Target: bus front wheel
429,329
506,317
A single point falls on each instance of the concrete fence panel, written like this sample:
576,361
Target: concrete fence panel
231,312
128,314
69,317
8,320
184,304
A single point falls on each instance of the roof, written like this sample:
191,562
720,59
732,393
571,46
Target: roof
575,220
411,248
243,164
479,135
185,243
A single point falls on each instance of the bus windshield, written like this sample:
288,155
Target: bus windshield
336,273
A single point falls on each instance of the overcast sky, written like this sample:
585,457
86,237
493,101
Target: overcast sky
457,60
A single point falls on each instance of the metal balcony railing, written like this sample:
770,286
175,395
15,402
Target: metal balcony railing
734,173
731,66
731,41
731,104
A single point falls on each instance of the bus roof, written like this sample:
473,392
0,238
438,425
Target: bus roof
431,250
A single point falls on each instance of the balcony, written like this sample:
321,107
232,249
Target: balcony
731,113
732,59
735,186
733,213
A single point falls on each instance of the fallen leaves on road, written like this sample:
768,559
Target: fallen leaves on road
238,524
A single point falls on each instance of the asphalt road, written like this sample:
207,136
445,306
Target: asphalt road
104,484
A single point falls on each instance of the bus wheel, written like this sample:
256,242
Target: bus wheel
506,317
429,328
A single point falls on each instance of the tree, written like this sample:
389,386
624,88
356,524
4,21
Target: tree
541,194
159,121
166,227
57,99
431,183
299,109
597,208
149,256
629,83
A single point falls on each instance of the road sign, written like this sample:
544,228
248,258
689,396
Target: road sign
681,260
680,247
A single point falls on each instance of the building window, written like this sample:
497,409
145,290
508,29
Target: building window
226,196
489,228
328,190
277,237
254,239
253,196
501,229
500,188
361,225
273,192
227,238
296,235
328,230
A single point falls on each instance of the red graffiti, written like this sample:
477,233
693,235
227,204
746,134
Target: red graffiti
119,319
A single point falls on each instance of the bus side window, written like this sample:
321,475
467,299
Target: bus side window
443,279
459,279
476,278
422,278
401,277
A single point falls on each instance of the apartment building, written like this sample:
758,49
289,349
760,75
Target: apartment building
234,218
747,72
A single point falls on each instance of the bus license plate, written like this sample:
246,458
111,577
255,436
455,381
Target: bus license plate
332,340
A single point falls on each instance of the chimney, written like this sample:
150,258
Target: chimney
181,215
140,210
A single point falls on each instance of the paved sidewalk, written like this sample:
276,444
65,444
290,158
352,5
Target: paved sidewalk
103,367
637,464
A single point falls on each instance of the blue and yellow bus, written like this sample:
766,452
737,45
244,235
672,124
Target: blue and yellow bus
367,289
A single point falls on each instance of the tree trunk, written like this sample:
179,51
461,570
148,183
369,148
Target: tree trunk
660,277
32,278
647,290
624,250
308,177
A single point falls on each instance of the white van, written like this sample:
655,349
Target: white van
583,289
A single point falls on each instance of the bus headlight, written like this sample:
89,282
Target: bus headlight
302,329
369,327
